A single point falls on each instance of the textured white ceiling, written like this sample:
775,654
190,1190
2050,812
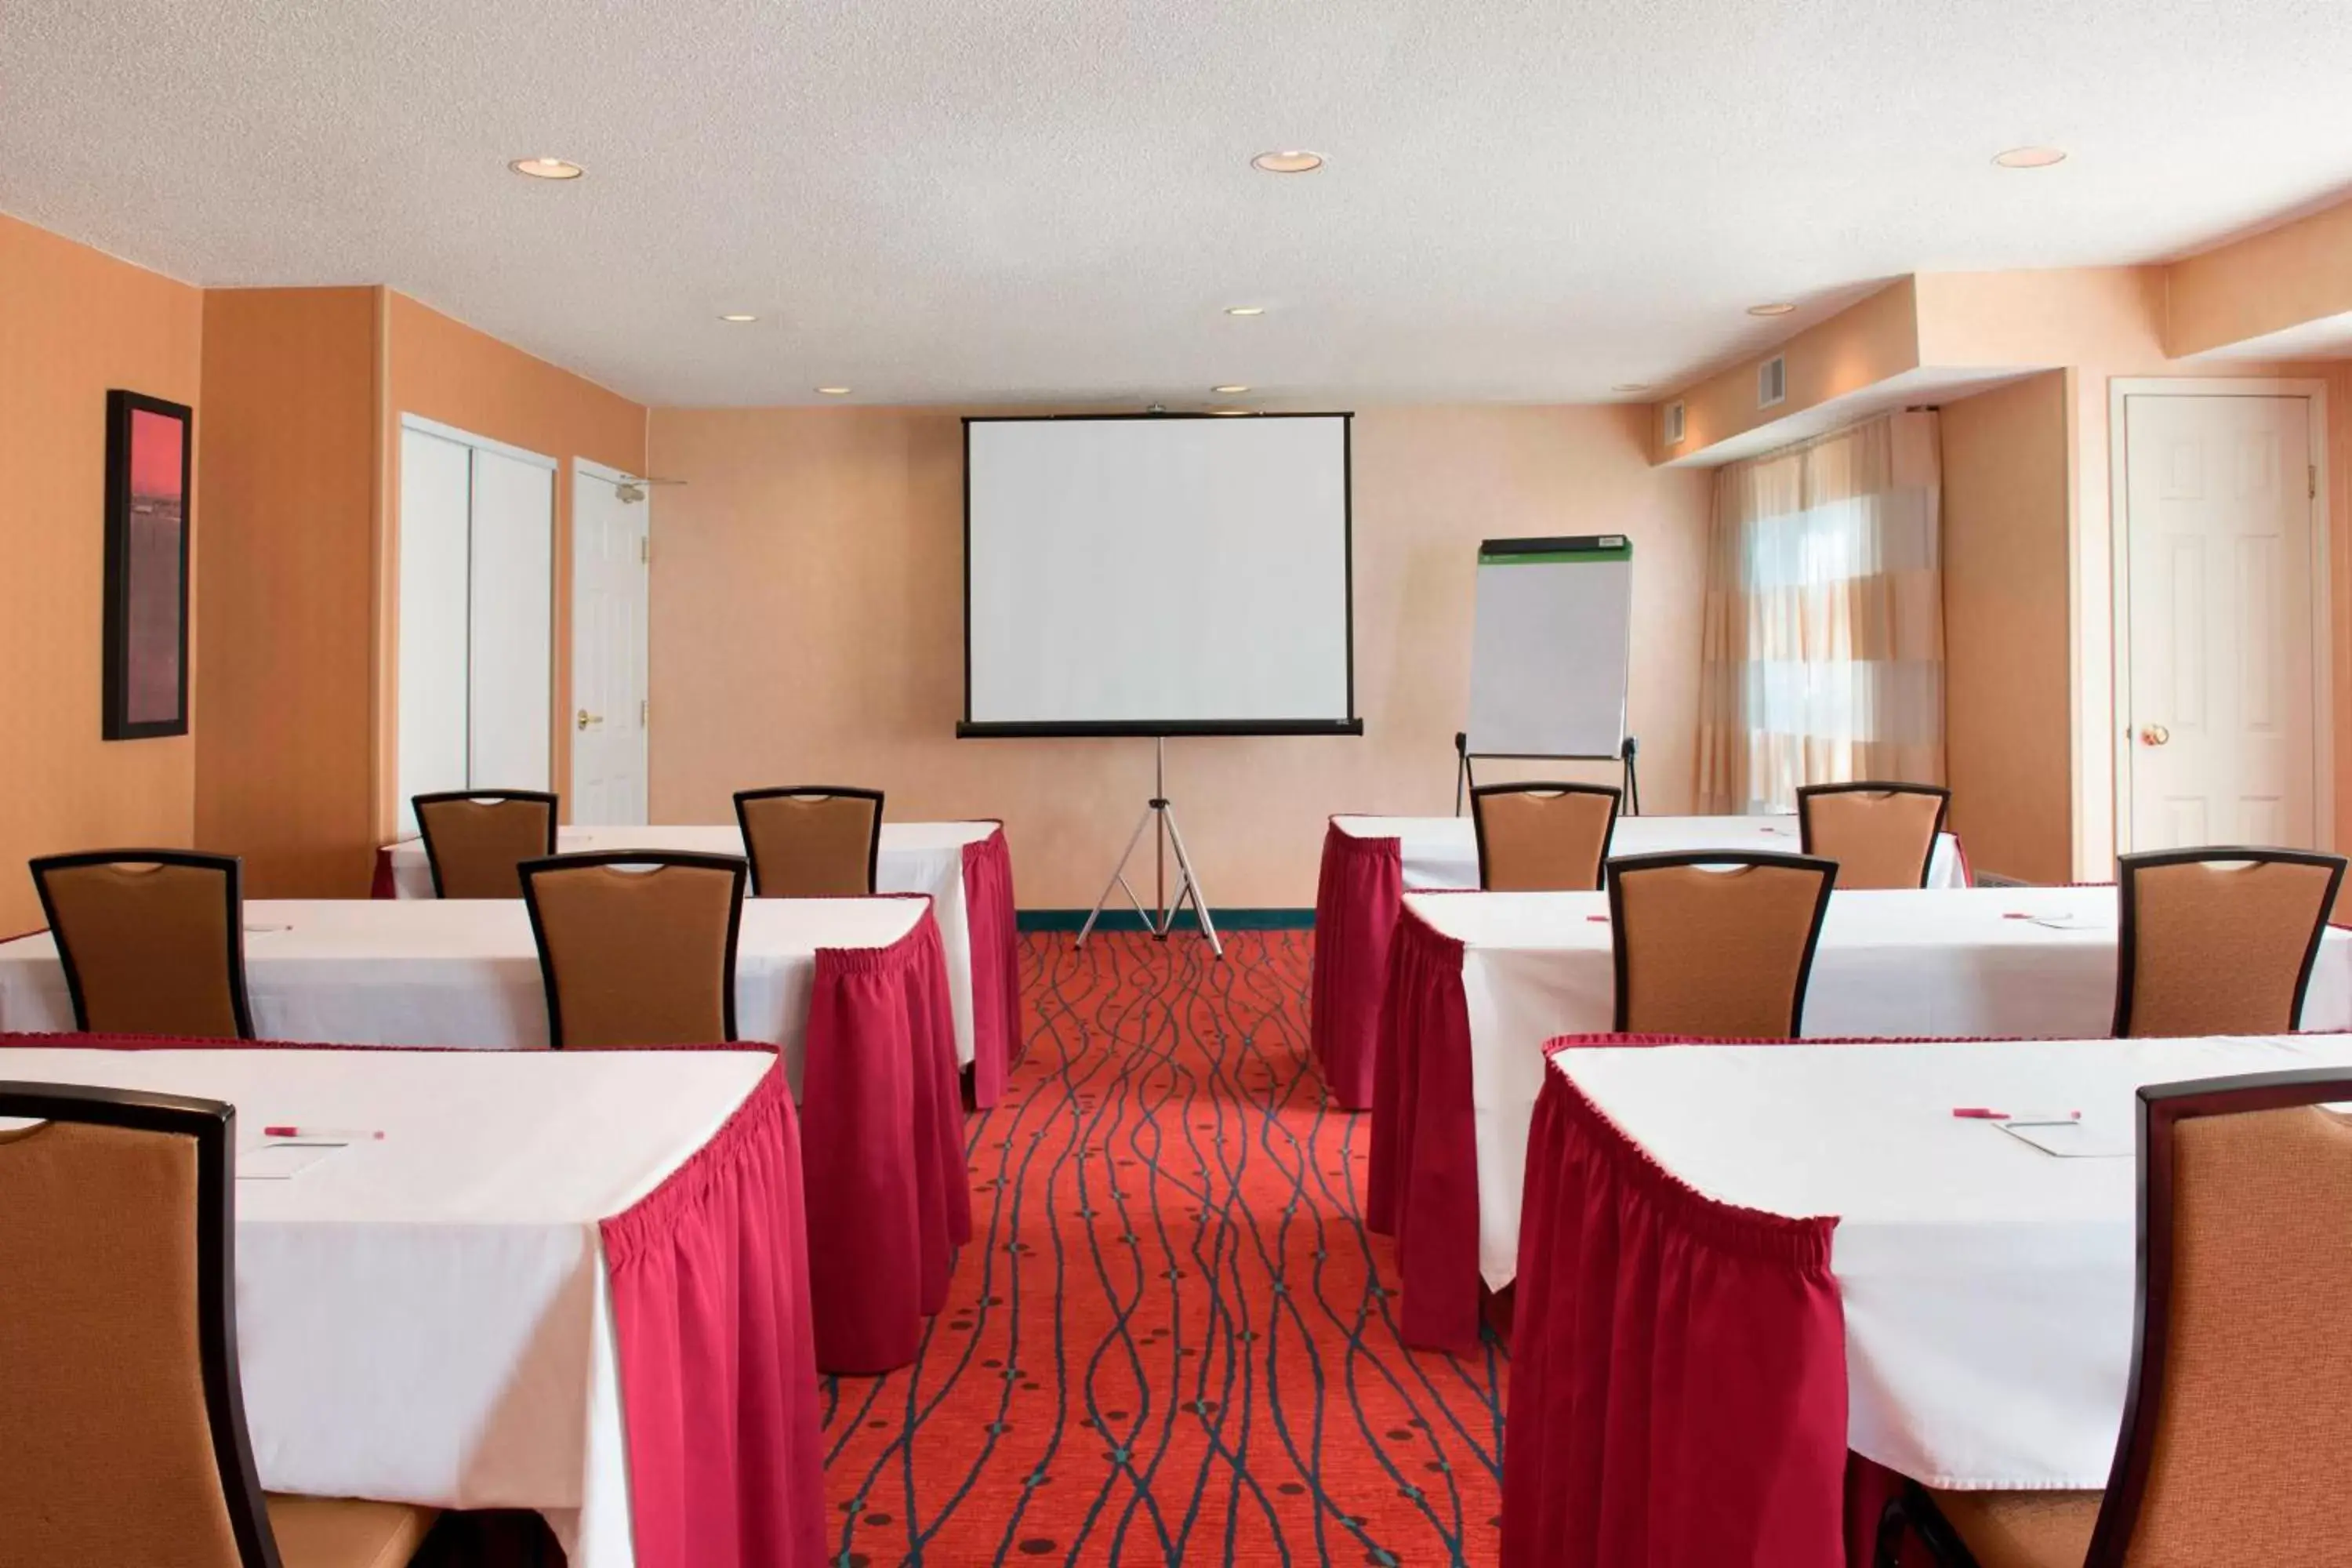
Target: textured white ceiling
967,200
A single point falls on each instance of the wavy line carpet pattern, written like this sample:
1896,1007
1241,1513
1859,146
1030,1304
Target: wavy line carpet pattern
1170,1340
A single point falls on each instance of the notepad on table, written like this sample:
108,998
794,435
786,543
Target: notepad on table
2074,1140
281,1161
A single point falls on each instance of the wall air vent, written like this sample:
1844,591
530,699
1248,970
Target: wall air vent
1772,381
1674,423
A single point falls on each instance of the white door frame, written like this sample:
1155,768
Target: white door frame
579,467
2323,630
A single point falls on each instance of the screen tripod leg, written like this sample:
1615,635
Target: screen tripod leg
1188,883
1118,879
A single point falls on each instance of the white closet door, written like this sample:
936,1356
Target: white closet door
513,591
435,566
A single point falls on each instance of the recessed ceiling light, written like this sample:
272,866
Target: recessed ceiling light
1631,386
1227,413
2030,157
547,168
1244,309
1777,308
1295,160
738,316
834,390
1232,390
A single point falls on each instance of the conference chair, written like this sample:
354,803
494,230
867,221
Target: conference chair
125,1438
2237,1422
1880,834
636,947
1542,837
811,841
152,941
474,838
2219,940
1717,943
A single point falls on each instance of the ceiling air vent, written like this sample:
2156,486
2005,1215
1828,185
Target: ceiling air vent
1674,423
1772,381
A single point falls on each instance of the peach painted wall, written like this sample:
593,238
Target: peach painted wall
2008,720
1863,344
2267,283
807,626
447,370
74,324
284,768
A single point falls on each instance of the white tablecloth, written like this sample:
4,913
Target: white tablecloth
425,1318
1987,1286
367,971
915,857
1915,963
1442,852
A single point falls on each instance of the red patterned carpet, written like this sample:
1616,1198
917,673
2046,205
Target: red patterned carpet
1168,1341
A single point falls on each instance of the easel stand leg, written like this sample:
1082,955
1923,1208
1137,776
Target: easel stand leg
1160,815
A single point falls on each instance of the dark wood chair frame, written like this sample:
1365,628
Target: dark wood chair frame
1807,792
212,1125
1639,863
811,792
2128,867
416,804
531,869
2163,1107
1479,792
233,884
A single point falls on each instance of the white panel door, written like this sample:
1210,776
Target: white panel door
436,499
511,621
609,579
2222,723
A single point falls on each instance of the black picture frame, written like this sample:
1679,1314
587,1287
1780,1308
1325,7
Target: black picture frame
147,568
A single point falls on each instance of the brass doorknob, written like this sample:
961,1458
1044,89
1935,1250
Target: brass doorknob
2154,735
587,718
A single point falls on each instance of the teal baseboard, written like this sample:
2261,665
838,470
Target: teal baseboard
1127,919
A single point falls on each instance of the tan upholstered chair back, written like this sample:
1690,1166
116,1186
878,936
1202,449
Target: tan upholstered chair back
2239,1430
152,940
812,841
1542,837
475,840
1714,943
113,1450
2219,942
1880,834
637,948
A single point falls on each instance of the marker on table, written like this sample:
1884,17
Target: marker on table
324,1134
1980,1113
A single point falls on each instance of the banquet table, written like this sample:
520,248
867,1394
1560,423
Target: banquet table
575,1283
965,868
1478,981
853,992
1370,863
1982,1289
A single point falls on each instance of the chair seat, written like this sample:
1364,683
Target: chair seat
345,1532
2023,1529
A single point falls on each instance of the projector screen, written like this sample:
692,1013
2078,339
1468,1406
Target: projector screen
1158,575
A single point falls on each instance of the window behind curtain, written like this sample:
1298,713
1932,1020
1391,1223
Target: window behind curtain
1823,657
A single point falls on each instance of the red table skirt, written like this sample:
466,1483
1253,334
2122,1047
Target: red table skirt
1678,1390
1357,900
990,924
1422,1184
712,1323
889,1196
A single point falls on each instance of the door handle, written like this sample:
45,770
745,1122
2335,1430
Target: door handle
587,718
2154,735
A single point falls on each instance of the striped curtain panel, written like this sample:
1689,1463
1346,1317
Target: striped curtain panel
1824,652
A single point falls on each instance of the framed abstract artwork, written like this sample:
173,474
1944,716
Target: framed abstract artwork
148,446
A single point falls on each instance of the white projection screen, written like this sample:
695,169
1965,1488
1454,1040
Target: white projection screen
1158,575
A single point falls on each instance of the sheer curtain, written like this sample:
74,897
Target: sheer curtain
1823,656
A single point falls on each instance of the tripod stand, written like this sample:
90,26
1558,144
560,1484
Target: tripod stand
1160,815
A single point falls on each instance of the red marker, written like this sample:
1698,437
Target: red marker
322,1134
1979,1113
